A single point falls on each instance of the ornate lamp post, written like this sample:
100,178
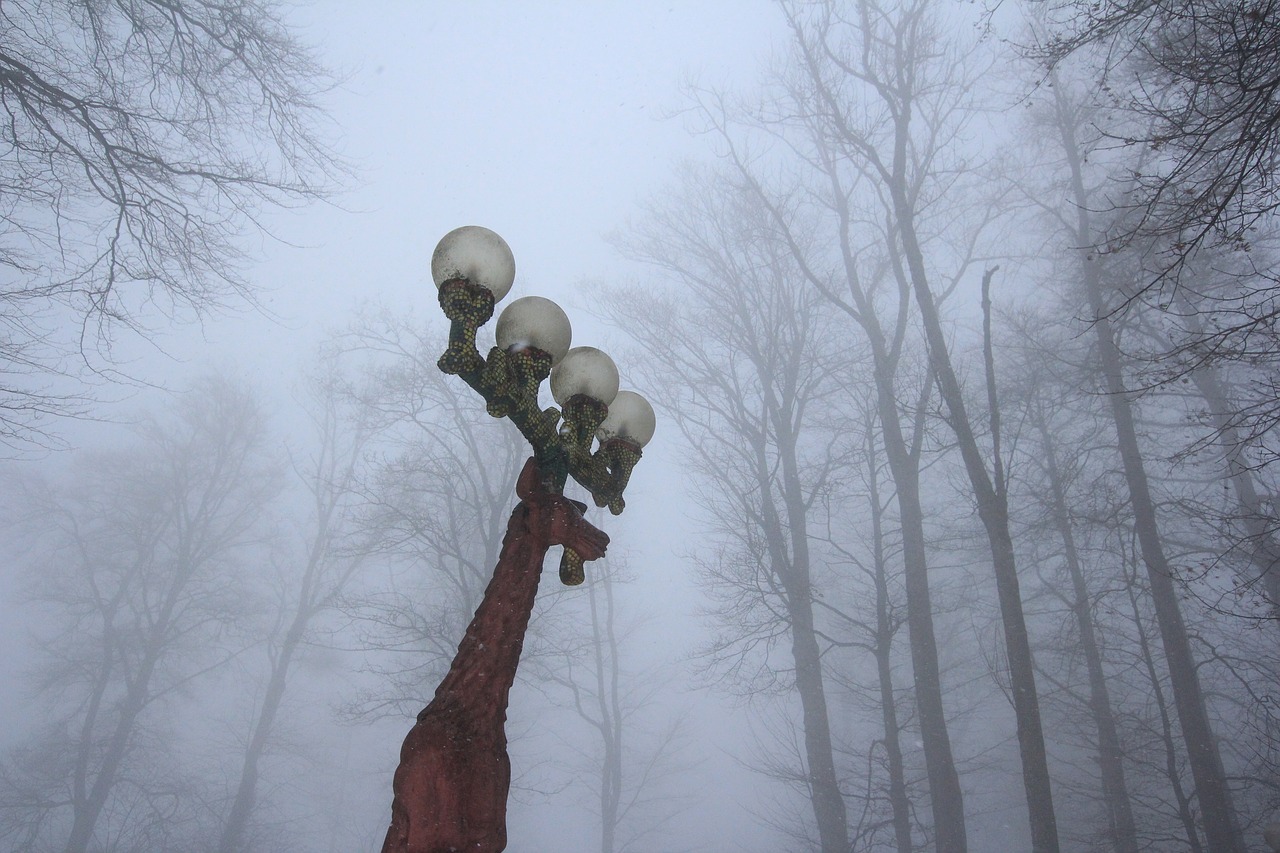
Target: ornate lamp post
451,786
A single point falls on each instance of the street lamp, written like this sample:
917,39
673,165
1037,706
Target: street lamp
450,789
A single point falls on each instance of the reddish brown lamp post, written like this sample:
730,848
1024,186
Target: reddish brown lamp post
450,790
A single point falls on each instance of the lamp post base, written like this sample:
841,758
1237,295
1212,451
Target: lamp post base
450,790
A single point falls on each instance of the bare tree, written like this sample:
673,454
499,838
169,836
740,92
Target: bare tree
880,98
875,632
1249,522
742,362
857,278
1214,794
1060,470
630,761
139,141
313,576
137,557
889,55
1196,84
1183,99
1168,753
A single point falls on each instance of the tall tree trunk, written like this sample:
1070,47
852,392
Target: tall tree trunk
946,797
898,801
794,571
828,803
242,806
993,510
1167,735
1259,525
1115,791
1218,811
1221,830
609,704
89,809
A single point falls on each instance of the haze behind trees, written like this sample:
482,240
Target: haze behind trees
958,534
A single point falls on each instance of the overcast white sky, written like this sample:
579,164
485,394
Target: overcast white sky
543,121
546,121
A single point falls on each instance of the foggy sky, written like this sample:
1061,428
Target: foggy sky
548,122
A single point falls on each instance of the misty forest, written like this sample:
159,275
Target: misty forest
960,530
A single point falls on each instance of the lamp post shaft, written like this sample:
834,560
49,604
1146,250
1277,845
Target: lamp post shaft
450,790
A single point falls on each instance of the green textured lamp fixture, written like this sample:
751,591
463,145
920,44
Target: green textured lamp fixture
450,790
474,269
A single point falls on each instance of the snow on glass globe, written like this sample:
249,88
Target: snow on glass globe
476,254
532,321
630,418
585,370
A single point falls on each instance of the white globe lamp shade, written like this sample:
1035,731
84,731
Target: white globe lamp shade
630,417
476,254
532,321
585,370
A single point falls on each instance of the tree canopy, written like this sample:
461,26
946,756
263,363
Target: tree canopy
139,141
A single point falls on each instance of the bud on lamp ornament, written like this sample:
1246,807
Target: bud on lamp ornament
450,790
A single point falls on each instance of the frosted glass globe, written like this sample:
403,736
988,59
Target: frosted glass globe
476,254
630,417
585,370
532,321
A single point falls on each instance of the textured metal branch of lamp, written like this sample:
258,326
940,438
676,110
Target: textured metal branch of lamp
509,382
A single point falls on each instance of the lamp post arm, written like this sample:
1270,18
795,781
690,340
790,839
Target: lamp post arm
508,381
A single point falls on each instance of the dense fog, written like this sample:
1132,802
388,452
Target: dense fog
958,529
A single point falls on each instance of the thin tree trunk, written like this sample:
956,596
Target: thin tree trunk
1263,550
787,539
1185,814
609,704
1115,791
1217,808
242,806
898,800
993,510
946,797
80,777
828,802
88,810
331,480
